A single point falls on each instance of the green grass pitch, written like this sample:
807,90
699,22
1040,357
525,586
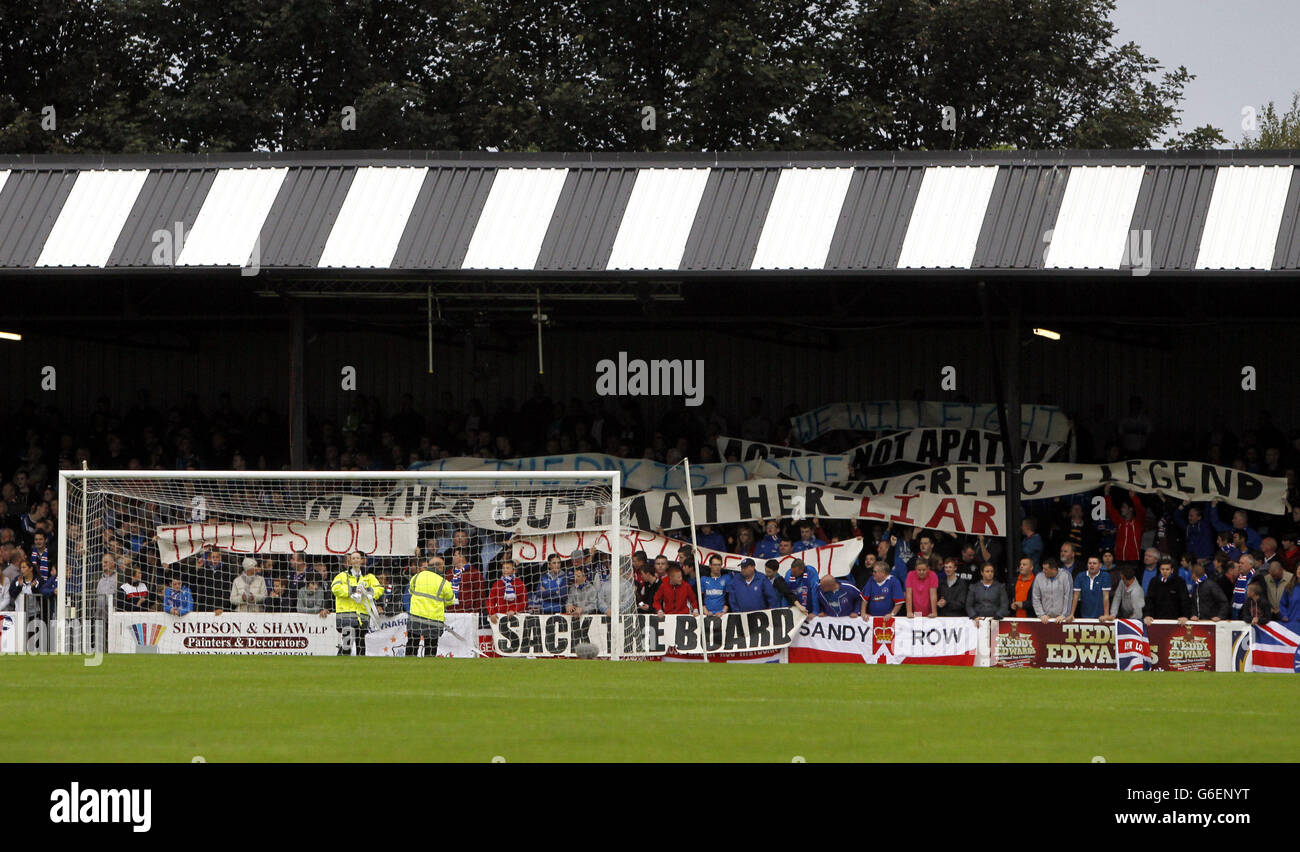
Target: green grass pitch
244,708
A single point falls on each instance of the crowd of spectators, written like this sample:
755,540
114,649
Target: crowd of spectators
1123,555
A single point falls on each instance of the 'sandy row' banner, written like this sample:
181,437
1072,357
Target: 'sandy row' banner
837,557
373,536
1159,646
637,474
1046,423
533,635
1187,480
228,633
929,446
926,641
776,498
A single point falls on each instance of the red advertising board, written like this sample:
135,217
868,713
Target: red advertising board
1182,648
1029,643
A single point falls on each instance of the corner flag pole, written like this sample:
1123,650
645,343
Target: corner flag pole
695,549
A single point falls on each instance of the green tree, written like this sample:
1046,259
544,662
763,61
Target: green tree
1274,131
1204,138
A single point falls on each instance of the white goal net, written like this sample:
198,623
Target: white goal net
172,562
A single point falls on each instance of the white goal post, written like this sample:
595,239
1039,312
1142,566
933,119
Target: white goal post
123,534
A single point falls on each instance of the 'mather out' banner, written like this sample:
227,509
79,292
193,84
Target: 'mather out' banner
518,512
1187,480
837,557
530,634
373,536
1046,423
927,641
760,499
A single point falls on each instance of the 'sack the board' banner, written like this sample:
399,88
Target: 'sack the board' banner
1030,643
1187,480
519,512
228,633
637,474
373,536
760,499
1046,423
534,635
837,557
927,641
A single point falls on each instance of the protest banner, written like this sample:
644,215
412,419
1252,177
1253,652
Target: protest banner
837,557
534,635
373,536
1046,423
925,641
638,474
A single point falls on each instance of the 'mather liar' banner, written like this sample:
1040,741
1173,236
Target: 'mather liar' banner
928,447
1187,480
1037,422
837,557
529,634
373,536
637,474
777,498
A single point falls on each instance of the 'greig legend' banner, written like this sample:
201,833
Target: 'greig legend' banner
1046,423
760,499
837,557
533,635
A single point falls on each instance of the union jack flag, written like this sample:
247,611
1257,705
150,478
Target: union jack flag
1132,649
1275,648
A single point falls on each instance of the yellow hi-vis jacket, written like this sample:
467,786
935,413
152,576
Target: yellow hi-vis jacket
342,588
430,594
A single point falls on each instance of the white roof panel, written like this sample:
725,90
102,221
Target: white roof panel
660,213
802,218
373,217
947,217
92,218
515,219
231,217
1092,227
1245,214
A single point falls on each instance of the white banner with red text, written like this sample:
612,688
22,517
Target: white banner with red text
373,536
925,641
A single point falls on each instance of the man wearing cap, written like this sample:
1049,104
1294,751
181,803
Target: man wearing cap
249,589
751,590
352,615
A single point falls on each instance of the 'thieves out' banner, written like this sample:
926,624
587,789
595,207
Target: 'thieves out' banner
837,557
637,474
929,446
1046,423
1188,480
529,634
927,641
760,499
373,536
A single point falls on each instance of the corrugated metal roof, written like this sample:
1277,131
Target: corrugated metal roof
1245,216
1022,209
657,219
1171,206
227,228
873,222
30,202
372,219
586,219
91,218
947,218
730,218
443,218
1092,227
1287,255
168,201
304,211
515,219
801,219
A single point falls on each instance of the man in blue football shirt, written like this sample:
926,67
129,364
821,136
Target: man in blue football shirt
883,594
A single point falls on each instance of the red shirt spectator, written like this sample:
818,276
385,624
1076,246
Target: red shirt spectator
1128,527
674,596
508,594
470,588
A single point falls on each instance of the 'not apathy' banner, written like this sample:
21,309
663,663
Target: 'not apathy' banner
927,641
837,557
1187,480
929,447
1046,423
534,635
760,499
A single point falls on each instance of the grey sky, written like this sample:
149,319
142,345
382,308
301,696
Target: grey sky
1241,51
